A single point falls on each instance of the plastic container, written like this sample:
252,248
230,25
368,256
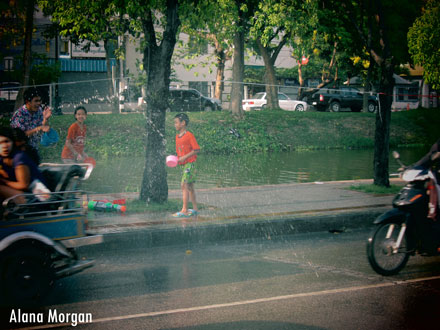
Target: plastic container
100,206
105,206
172,161
120,208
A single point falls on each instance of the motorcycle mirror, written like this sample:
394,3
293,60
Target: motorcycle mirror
396,155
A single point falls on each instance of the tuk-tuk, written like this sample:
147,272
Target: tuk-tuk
38,238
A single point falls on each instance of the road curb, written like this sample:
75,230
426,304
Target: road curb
250,229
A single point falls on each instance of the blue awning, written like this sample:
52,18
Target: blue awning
84,65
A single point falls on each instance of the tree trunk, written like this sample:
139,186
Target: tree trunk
27,51
269,77
383,115
154,183
157,62
382,133
237,75
301,81
220,77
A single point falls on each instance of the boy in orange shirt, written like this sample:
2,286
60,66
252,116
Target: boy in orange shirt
187,149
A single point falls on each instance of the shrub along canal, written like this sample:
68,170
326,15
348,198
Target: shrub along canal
125,174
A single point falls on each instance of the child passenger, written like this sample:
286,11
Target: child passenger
17,169
73,150
187,149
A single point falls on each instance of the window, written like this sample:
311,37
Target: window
282,97
413,94
9,63
201,86
401,94
175,94
65,47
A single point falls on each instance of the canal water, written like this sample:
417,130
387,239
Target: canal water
125,174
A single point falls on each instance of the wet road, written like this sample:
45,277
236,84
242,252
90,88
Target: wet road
305,281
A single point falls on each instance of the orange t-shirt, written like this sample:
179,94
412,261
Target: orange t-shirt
77,138
185,144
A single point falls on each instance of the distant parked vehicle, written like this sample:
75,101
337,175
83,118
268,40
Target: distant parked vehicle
334,99
182,100
9,90
259,102
8,95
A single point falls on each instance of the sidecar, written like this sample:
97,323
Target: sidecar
38,238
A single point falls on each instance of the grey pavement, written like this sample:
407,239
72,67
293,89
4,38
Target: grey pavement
252,211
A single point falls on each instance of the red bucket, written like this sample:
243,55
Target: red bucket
90,160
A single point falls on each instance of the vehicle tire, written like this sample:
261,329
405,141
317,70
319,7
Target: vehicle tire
335,106
28,275
371,107
207,108
264,107
299,107
380,252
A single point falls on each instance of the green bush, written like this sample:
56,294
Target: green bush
260,131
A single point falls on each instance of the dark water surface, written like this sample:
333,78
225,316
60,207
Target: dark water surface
125,174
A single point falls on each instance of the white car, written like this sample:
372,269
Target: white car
259,101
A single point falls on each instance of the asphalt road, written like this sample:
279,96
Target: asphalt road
305,281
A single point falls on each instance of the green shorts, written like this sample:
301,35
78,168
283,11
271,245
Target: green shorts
189,173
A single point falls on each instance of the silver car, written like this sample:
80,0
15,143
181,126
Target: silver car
259,102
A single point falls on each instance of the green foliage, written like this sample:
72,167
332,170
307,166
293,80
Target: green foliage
260,131
424,40
12,26
376,190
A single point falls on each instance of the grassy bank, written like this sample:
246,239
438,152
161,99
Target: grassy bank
260,131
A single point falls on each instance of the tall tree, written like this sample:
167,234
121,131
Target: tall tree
87,22
275,23
158,24
17,24
212,21
157,48
241,11
424,41
329,44
382,32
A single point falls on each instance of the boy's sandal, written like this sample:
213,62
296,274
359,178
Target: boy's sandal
181,215
193,212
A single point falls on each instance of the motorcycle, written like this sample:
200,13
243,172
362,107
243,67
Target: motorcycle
406,229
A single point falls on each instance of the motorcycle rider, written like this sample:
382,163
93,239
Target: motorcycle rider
434,189
431,156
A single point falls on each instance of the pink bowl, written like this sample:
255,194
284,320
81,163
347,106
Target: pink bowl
172,161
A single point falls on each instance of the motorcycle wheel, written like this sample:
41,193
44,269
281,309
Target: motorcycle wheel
381,256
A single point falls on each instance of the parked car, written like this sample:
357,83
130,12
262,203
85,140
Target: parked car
9,90
259,102
182,100
333,99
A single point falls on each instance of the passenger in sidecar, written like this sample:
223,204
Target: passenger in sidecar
62,180
38,238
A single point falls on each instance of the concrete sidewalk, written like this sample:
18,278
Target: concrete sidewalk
252,211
